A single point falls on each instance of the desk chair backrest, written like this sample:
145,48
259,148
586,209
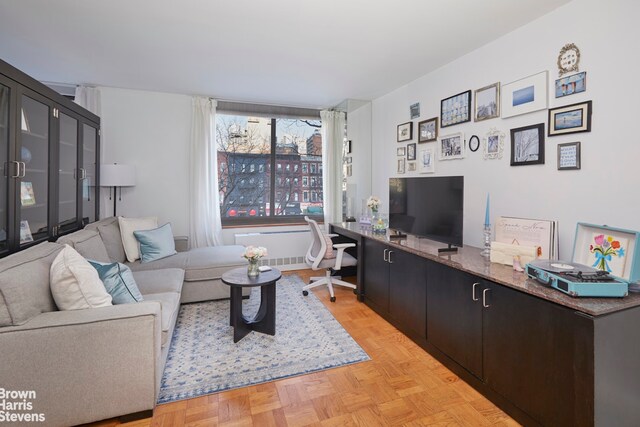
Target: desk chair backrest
318,247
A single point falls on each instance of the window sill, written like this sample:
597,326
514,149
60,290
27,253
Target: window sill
268,222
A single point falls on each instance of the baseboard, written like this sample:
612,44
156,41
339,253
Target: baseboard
136,416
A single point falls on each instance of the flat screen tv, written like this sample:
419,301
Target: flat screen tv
429,207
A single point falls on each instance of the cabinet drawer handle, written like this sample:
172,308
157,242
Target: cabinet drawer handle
473,292
24,169
17,175
390,262
484,298
384,255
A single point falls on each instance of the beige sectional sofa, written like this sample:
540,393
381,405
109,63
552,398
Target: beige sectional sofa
89,365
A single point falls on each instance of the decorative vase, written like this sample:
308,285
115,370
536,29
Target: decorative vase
379,222
252,268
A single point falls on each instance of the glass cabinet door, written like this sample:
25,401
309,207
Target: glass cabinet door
68,173
33,161
5,104
89,161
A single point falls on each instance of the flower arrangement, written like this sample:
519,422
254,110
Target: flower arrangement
604,249
373,202
254,253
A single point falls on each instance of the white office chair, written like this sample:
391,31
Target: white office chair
316,260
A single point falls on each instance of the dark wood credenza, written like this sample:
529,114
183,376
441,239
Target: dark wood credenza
542,356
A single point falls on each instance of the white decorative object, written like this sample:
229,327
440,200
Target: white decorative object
75,284
493,144
568,59
127,227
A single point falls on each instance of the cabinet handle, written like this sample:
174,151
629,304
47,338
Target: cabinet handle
473,292
24,169
17,175
484,298
390,262
384,255
84,173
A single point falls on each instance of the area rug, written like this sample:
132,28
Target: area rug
203,358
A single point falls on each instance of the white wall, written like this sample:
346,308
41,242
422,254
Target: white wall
605,190
149,130
359,132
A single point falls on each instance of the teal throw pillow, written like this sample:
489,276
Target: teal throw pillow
156,244
118,281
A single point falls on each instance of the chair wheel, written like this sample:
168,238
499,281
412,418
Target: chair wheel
305,293
333,299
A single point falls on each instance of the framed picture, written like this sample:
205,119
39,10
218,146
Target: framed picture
428,130
411,151
527,145
487,102
569,156
572,118
25,232
401,151
524,95
426,162
452,147
573,84
405,132
347,147
411,166
349,170
455,109
414,110
349,160
493,144
401,165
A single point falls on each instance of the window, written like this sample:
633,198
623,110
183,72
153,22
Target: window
277,153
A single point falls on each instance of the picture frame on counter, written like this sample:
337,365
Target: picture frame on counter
571,85
405,132
527,145
456,109
487,102
574,118
411,151
452,146
569,156
428,130
525,95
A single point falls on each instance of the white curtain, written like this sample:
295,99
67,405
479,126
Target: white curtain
89,98
333,123
205,228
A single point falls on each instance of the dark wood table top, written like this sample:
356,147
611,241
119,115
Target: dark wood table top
239,277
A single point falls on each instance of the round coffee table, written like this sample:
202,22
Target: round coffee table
265,319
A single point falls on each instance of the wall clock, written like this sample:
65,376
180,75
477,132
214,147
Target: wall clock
568,59
474,143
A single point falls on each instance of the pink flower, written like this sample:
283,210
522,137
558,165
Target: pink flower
599,239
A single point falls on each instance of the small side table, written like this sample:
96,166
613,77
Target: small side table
265,319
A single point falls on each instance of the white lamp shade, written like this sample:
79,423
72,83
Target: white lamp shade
115,175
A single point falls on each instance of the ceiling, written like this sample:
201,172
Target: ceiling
285,52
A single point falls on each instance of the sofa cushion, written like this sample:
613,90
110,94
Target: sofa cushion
75,284
127,227
170,302
118,281
88,243
109,230
157,281
199,264
155,244
24,283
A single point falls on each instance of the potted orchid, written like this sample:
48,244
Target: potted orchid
253,255
379,222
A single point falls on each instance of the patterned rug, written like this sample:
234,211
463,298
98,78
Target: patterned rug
203,358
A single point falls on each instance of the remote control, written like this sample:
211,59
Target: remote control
264,268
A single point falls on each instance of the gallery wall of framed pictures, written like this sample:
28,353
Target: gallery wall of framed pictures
496,103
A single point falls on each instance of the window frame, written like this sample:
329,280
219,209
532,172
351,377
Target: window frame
272,165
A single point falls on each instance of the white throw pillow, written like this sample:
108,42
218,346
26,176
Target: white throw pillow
127,227
75,284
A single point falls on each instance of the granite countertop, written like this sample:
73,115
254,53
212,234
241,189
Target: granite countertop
468,259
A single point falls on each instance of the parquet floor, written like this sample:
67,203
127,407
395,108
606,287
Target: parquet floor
401,386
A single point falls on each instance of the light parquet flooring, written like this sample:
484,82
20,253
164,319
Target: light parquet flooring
402,385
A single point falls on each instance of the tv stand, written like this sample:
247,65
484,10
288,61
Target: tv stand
448,249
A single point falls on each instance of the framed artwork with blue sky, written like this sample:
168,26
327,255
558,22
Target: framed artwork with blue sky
525,95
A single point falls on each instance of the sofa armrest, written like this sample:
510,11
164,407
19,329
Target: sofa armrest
182,243
85,365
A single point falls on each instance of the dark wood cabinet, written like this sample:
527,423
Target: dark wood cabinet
539,356
454,315
44,139
396,285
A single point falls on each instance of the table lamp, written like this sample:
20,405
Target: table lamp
117,176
